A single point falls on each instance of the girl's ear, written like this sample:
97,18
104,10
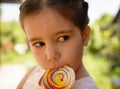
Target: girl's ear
86,35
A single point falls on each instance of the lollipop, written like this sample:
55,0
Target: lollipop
62,78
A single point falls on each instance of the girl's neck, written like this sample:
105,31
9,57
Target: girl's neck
81,72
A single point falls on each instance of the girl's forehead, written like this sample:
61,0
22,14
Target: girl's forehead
47,15
47,19
47,23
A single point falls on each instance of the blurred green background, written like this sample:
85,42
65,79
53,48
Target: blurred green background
101,56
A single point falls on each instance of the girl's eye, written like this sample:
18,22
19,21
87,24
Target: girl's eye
63,38
39,44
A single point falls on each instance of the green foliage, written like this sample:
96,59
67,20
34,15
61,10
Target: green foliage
105,20
97,37
11,34
105,41
98,69
11,31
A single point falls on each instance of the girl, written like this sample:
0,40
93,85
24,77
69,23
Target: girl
57,31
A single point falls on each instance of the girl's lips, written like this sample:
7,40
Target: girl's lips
57,67
52,68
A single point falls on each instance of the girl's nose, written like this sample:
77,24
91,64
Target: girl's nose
52,53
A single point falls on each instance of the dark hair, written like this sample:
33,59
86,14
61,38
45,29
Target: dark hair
74,10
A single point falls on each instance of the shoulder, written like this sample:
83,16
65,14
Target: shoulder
85,83
31,72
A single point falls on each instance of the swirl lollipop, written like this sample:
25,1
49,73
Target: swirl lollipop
62,78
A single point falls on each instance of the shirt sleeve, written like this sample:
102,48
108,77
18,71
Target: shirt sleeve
32,81
85,83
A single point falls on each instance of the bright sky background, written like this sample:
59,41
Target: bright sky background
96,9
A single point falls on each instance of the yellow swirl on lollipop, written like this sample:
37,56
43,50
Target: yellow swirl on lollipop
62,78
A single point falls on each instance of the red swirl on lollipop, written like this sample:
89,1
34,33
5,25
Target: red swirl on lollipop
61,78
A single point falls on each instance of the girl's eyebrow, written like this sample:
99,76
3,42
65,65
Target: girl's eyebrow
64,31
33,39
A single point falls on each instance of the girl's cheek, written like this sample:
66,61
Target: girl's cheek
37,53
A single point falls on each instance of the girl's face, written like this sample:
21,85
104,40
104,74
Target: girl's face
54,41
